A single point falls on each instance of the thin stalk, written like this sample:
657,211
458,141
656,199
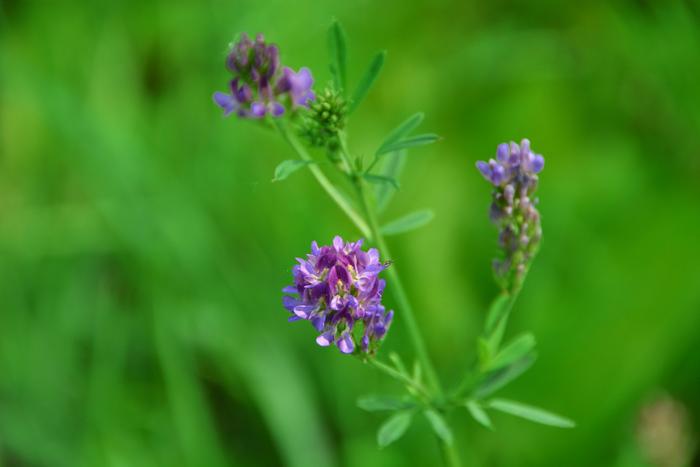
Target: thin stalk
494,340
399,293
449,454
326,184
397,287
392,372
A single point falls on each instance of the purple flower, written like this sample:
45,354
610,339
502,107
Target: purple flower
513,209
298,85
335,288
512,160
261,86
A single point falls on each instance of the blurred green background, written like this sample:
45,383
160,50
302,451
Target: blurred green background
143,247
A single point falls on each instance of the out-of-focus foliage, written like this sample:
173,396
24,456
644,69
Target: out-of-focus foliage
143,247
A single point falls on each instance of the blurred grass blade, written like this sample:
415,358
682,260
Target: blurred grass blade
479,414
407,126
337,50
367,81
394,428
381,179
288,167
193,421
528,412
382,403
517,349
499,378
413,141
408,222
439,425
392,167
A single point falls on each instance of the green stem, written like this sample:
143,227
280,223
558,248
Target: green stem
326,184
399,293
494,340
370,229
405,379
449,454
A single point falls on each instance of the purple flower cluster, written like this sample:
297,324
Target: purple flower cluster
260,85
336,287
514,174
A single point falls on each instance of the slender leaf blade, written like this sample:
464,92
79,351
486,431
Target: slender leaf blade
529,412
382,403
367,80
439,425
498,308
392,167
515,350
394,428
337,49
407,126
408,222
499,378
381,179
288,167
479,414
411,142
398,363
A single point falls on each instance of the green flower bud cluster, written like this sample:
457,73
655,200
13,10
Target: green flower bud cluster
324,119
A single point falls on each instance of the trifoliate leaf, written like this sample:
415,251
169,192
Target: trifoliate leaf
288,167
337,49
381,179
382,403
439,425
515,350
499,378
394,428
367,80
400,131
498,308
410,142
528,412
392,167
408,222
479,414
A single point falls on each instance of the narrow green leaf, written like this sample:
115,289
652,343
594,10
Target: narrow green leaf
483,351
382,403
408,222
413,141
498,308
367,81
479,414
372,178
398,363
288,167
394,428
417,372
337,49
528,412
499,378
515,350
392,167
440,427
407,126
